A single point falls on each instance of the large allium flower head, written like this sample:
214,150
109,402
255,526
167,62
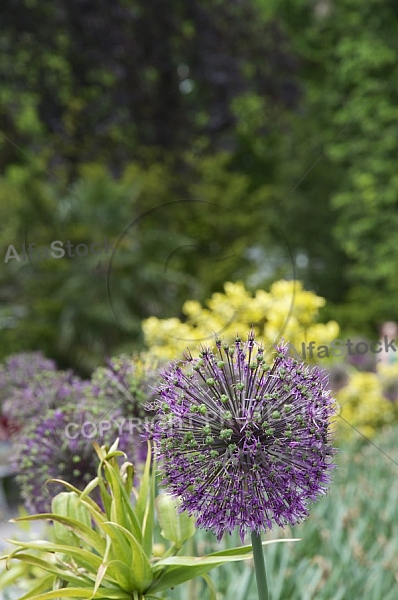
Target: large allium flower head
60,446
243,443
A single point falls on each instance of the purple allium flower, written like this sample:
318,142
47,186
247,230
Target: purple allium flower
244,444
126,384
365,361
338,377
18,369
60,446
15,374
45,390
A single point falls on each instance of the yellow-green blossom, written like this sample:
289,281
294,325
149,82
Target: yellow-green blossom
363,405
287,309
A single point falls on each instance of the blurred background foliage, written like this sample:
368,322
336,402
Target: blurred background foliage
209,142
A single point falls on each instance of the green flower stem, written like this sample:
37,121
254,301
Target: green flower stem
259,566
191,583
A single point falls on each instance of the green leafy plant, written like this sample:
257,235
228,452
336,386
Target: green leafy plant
106,549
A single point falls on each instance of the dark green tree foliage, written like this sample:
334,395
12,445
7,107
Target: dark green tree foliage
104,78
343,213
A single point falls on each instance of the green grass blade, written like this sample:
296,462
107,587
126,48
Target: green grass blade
124,506
88,560
81,592
86,533
140,568
45,584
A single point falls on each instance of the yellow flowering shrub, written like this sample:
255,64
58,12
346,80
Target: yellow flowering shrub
287,311
363,406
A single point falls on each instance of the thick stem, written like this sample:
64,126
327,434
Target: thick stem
259,566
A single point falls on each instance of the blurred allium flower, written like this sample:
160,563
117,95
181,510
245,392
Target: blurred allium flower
126,380
15,374
244,444
363,362
126,384
50,449
18,369
338,377
46,389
